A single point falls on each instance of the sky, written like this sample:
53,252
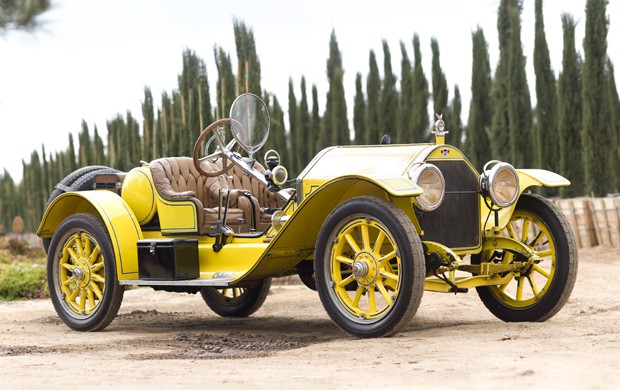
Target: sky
92,59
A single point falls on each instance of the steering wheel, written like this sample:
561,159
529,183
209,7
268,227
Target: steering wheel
222,149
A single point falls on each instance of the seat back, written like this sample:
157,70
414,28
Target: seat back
242,180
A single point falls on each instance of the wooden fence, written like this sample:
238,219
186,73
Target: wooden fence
595,221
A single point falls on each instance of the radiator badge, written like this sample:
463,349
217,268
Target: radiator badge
445,151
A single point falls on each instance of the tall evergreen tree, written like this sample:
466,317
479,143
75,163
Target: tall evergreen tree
98,148
315,123
373,93
330,134
340,121
500,133
85,146
405,100
303,126
519,104
71,159
21,14
440,85
389,97
453,121
480,117
546,131
420,119
225,87
359,110
294,132
148,126
246,54
570,113
595,136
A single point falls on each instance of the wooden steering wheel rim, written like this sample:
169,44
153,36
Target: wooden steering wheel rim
203,135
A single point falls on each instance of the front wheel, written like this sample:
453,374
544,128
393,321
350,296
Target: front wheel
236,301
539,292
81,274
369,267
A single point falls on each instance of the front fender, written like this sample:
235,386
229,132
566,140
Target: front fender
527,178
122,224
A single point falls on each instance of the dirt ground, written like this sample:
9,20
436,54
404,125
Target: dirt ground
168,340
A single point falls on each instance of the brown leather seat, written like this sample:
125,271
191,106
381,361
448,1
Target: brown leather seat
176,178
263,200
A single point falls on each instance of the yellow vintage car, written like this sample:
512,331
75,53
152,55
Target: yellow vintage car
368,227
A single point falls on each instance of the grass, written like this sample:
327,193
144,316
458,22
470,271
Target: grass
22,270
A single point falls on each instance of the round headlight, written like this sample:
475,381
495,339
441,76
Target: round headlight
280,175
430,178
503,184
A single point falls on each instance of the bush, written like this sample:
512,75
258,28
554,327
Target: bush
22,280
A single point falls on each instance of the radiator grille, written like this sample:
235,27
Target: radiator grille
456,223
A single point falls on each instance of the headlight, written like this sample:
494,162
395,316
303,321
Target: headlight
430,178
501,183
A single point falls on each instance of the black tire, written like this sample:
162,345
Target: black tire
236,301
542,302
87,300
368,275
81,179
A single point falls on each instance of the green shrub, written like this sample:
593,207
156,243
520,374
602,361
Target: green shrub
22,280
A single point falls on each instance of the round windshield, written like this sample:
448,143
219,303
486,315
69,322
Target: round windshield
249,122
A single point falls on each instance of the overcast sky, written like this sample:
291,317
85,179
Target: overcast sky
92,59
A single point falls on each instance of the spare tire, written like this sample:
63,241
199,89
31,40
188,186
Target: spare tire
82,179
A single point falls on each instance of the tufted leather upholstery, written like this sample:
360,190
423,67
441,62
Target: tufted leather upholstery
176,178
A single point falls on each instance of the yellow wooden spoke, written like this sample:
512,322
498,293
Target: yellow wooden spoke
526,230
511,231
546,253
96,267
82,299
365,237
73,256
345,281
96,290
532,281
345,260
94,255
387,257
389,275
358,296
372,301
78,246
91,298
73,295
378,243
69,282
502,287
69,267
352,243
86,244
541,271
384,293
520,285
98,278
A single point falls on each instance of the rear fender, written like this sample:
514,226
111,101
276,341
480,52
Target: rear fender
122,225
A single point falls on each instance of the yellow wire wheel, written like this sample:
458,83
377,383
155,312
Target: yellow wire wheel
82,275
369,267
538,292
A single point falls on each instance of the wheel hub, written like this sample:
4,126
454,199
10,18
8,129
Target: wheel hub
365,269
78,274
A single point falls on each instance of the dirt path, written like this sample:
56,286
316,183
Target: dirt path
167,340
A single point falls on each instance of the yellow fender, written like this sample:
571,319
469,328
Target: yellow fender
527,178
120,221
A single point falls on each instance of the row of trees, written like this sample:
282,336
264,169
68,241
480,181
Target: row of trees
572,130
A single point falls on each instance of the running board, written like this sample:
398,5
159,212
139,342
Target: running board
190,282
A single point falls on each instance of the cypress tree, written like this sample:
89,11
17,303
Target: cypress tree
330,134
440,85
405,100
519,104
85,149
373,93
420,119
225,87
546,131
246,53
148,132
359,110
454,122
614,124
303,126
294,136
595,137
339,118
499,134
480,109
389,97
277,138
315,123
98,149
570,113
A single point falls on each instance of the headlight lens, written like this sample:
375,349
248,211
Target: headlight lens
430,178
503,184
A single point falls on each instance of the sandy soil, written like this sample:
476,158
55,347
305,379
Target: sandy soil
167,340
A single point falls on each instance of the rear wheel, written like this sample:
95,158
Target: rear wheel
369,267
81,273
236,301
539,292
